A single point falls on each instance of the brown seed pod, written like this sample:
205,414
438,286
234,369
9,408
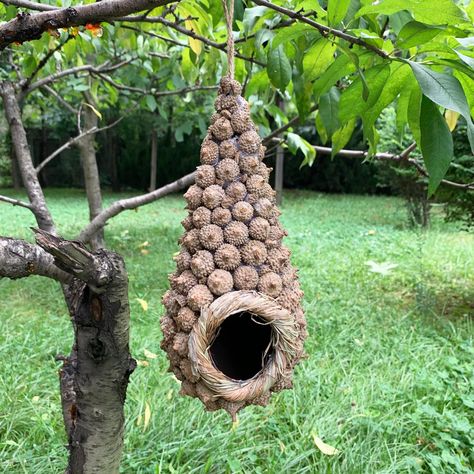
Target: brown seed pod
249,142
242,211
264,208
214,117
263,170
236,191
185,281
254,253
199,296
245,278
259,228
270,284
227,149
212,196
186,318
168,328
227,257
187,223
227,170
202,263
249,164
193,196
288,275
236,233
229,86
220,282
211,236
227,202
255,183
221,216
278,258
261,151
201,217
205,176
191,240
221,129
266,191
225,102
209,152
180,344
240,120
183,260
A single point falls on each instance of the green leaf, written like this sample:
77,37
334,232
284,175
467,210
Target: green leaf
342,136
432,12
415,33
303,93
469,60
444,90
352,103
402,109
328,110
320,128
151,102
413,113
295,143
341,67
293,32
278,68
436,143
337,10
317,59
399,75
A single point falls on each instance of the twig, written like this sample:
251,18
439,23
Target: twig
323,29
58,97
185,31
16,202
72,141
132,203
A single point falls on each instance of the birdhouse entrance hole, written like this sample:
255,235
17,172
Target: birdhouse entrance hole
242,346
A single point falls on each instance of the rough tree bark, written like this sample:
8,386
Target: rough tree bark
94,377
91,172
23,157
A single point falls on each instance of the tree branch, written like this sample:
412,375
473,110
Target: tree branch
16,202
190,33
74,70
132,203
20,259
71,142
58,97
26,27
402,157
323,29
42,7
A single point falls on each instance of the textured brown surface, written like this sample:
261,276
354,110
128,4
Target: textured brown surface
232,241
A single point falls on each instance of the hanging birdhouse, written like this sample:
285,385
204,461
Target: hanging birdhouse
234,327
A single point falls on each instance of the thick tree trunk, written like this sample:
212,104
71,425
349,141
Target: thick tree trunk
153,160
94,377
23,156
15,172
91,171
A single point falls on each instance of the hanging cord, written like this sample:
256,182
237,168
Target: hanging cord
228,6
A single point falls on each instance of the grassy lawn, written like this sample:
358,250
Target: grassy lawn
389,380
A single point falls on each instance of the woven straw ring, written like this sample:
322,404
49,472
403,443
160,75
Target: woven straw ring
284,335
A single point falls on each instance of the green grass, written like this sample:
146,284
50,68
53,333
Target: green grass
389,380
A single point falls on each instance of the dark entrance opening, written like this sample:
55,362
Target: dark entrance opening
242,346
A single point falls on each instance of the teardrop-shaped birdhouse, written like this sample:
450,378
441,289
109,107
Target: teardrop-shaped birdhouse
234,327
